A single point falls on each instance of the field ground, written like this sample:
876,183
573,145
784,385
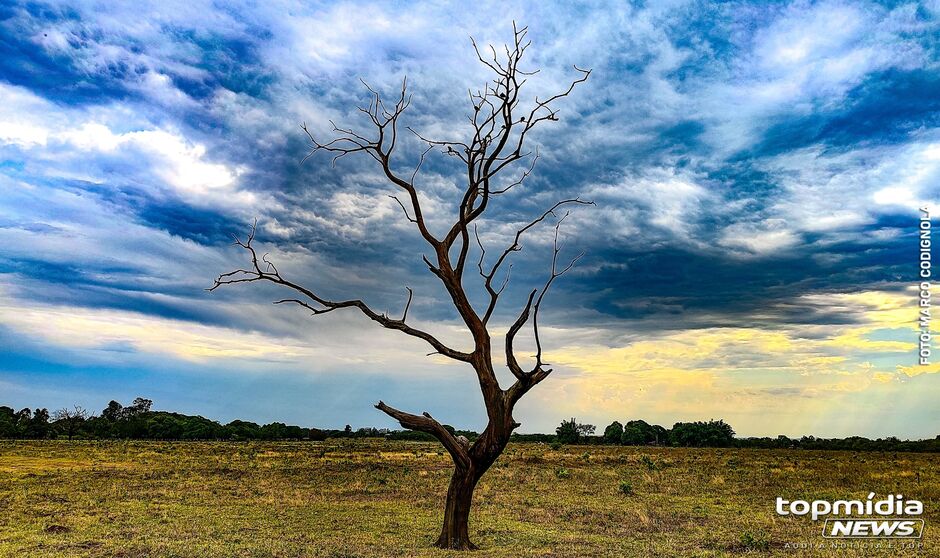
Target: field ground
347,499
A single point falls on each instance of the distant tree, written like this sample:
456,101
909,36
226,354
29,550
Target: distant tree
686,434
567,433
613,433
38,426
292,432
714,433
70,419
372,432
7,422
571,432
641,433
273,431
198,428
348,430
539,438
21,422
113,412
242,430
137,408
660,435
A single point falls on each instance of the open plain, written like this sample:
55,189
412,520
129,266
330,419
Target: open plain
374,498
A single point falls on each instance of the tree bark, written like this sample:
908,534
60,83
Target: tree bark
487,449
455,534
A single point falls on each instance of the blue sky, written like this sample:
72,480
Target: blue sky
757,169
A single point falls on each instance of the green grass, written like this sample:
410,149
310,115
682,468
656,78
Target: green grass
347,499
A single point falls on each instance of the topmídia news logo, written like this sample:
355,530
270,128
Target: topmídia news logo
897,517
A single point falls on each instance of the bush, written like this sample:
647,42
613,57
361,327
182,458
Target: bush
626,488
754,541
562,473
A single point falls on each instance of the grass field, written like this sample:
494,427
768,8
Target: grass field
346,499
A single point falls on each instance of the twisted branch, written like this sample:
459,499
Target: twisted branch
426,423
525,380
320,305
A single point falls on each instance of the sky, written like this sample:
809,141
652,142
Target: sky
757,169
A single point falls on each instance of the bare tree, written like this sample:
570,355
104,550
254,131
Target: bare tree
71,418
500,126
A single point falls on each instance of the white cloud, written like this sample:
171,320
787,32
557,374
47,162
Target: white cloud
22,134
181,164
831,191
62,139
770,237
806,59
894,195
106,330
665,203
19,121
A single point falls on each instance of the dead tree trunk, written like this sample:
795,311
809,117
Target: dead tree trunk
455,530
455,534
497,140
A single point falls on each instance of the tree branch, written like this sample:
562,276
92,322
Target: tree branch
385,121
514,247
320,305
498,135
525,380
426,423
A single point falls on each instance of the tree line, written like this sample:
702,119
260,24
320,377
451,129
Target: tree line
138,421
715,434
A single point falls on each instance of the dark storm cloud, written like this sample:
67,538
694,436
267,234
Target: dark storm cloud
701,134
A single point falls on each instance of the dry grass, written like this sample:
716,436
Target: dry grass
347,499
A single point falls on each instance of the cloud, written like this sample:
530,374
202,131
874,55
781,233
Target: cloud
83,335
179,164
782,372
806,61
764,238
110,330
757,170
915,370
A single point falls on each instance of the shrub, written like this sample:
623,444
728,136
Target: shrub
626,488
562,473
754,541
